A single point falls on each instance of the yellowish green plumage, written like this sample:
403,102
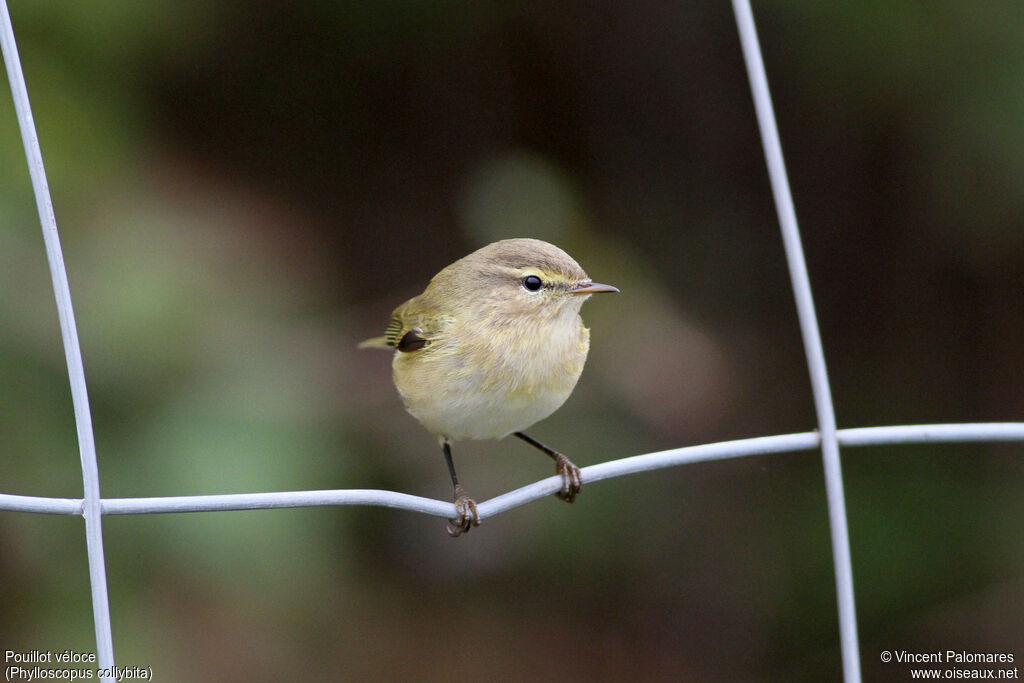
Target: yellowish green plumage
494,344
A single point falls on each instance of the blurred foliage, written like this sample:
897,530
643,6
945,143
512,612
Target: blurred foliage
245,190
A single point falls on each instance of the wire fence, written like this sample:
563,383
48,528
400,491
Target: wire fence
827,438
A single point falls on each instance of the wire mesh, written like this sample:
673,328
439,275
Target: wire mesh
827,438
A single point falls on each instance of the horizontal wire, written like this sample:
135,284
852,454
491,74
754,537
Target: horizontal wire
46,506
762,445
937,433
273,500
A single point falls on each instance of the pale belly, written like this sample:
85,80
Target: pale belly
456,403
491,414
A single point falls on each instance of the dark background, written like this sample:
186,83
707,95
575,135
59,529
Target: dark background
246,189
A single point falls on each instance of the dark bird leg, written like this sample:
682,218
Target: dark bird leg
572,481
464,505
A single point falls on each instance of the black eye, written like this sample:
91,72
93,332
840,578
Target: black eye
532,283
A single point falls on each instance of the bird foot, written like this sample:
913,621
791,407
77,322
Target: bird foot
467,518
572,480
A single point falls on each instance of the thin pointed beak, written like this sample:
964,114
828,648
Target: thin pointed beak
593,288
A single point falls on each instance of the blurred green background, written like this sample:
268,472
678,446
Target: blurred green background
246,189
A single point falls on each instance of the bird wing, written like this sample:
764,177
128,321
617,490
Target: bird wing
396,328
392,336
411,328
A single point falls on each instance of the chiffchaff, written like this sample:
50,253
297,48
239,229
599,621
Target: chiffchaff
494,344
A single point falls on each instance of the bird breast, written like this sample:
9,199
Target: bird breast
487,381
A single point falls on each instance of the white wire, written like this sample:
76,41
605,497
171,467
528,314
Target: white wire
73,354
939,433
763,445
46,506
812,340
280,499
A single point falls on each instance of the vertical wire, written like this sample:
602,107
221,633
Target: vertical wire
79,395
811,338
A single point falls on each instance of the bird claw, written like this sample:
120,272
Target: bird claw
572,479
467,518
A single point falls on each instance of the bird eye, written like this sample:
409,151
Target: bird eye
532,283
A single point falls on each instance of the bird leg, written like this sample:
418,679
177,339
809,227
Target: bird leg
572,480
465,507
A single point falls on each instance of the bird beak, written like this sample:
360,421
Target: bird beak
593,288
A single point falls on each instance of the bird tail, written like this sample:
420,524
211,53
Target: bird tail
375,343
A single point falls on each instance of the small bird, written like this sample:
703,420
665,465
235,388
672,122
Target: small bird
494,344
